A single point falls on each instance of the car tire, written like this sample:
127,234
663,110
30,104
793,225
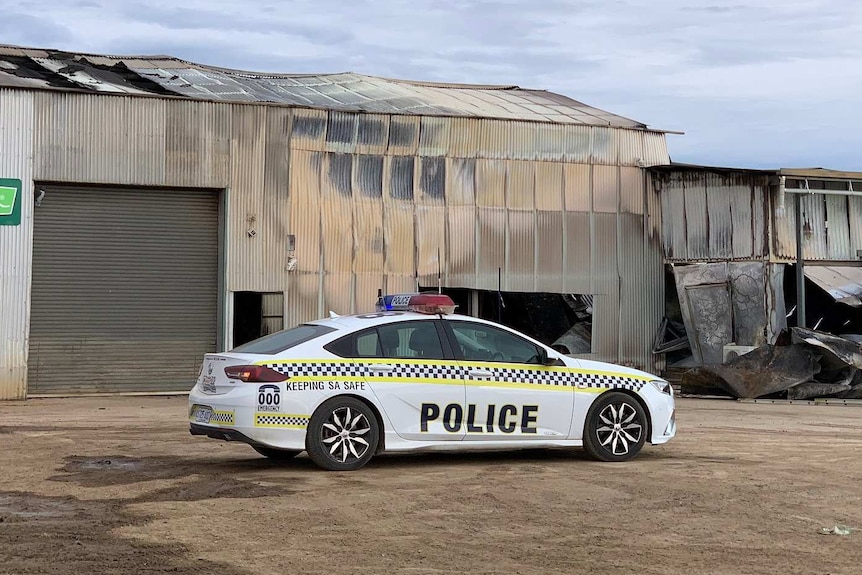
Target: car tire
275,454
616,427
342,434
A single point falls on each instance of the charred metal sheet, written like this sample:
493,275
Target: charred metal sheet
723,303
749,302
845,350
813,389
764,371
842,283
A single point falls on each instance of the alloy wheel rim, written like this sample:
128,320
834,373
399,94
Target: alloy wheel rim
342,434
620,428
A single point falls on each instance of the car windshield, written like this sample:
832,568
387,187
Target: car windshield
283,340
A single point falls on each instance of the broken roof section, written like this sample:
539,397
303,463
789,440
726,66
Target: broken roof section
842,283
165,75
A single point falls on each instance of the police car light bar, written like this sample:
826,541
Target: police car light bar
430,303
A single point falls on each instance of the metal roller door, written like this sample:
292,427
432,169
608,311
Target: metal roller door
125,289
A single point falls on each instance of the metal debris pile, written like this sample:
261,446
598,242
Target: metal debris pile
803,364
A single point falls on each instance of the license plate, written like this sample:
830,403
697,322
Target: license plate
203,414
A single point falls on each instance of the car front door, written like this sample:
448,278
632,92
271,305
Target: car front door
412,371
510,394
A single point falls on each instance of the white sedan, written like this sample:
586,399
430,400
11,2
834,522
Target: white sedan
416,377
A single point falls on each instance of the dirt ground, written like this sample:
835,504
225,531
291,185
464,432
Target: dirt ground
117,485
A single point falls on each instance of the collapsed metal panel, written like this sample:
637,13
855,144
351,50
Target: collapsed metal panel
725,303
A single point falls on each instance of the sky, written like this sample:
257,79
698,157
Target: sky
761,84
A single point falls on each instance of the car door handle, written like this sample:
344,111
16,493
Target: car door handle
484,373
381,367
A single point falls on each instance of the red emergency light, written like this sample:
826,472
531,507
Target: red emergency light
430,303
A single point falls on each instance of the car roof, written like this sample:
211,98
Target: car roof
359,321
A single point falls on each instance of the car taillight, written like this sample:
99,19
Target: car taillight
254,374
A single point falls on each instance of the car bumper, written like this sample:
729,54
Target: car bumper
238,416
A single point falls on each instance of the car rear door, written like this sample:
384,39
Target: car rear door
412,371
509,394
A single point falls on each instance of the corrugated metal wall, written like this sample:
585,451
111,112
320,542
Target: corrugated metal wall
832,226
371,200
16,243
713,216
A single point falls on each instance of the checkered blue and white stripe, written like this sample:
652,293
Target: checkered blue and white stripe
450,371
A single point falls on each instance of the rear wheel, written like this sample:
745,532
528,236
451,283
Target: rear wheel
275,454
342,434
616,428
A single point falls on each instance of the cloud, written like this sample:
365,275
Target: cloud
764,83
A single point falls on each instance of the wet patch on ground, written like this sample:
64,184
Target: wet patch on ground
54,535
211,479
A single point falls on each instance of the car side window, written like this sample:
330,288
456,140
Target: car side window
406,340
480,342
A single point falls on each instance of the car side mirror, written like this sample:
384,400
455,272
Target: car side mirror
544,359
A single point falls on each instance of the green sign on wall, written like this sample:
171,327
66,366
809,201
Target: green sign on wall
10,202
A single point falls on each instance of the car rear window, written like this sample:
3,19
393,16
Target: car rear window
283,340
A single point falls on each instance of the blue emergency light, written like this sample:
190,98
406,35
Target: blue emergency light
432,303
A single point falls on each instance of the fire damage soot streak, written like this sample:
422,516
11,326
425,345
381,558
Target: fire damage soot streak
506,419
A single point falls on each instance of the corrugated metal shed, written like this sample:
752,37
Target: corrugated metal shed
357,200
164,75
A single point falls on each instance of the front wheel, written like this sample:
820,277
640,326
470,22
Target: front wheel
342,434
616,428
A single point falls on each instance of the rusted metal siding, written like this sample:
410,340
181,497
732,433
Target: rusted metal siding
712,216
16,242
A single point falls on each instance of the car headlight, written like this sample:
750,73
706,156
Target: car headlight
662,386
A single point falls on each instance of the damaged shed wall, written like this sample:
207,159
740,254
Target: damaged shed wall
713,215
369,199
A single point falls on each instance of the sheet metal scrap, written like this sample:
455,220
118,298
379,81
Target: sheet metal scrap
764,371
847,351
840,359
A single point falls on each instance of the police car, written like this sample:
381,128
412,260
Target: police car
414,376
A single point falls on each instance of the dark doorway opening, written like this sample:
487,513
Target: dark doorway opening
256,314
247,316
